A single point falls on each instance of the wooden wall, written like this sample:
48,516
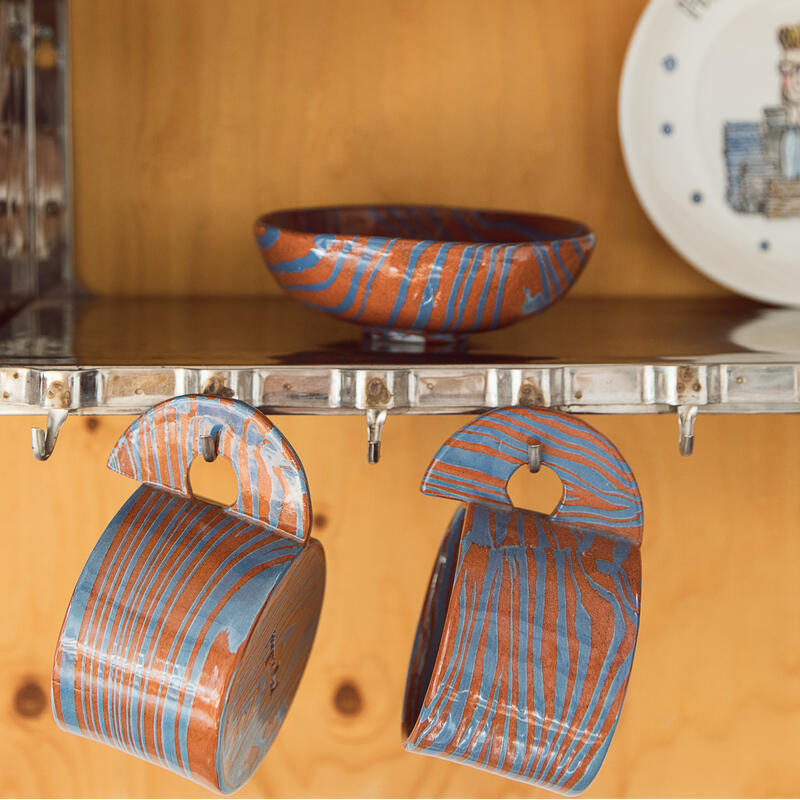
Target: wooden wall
190,118
713,703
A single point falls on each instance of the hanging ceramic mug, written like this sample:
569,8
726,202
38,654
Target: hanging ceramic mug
190,625
526,638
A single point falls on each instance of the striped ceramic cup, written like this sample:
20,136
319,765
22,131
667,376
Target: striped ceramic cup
526,638
190,625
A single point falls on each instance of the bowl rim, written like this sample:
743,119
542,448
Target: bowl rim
582,230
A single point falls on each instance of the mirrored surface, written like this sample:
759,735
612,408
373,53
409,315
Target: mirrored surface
584,355
275,330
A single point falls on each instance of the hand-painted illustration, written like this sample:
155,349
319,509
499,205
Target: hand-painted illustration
763,158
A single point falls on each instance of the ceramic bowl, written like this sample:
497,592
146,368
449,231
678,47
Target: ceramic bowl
420,270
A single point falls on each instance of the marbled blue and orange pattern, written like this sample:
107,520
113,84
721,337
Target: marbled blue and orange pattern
166,627
190,625
422,268
160,445
526,638
476,463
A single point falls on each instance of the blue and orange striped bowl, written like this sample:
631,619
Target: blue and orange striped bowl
423,270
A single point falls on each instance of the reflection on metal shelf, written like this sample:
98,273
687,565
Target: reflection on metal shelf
596,356
585,355
43,330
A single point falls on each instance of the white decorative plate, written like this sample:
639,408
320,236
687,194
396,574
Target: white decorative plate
709,119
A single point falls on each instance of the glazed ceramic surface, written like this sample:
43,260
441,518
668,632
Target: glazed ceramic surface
159,447
710,127
527,634
423,269
190,625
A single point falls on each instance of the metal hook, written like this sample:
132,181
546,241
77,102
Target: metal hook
686,419
208,447
375,420
43,442
534,457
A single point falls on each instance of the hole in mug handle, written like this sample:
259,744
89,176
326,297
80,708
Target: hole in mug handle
540,492
214,481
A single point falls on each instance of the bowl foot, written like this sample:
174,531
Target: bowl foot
385,340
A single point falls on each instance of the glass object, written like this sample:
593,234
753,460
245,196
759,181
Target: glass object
34,150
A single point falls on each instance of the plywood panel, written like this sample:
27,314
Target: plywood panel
714,697
191,117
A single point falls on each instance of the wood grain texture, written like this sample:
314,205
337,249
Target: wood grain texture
190,120
714,696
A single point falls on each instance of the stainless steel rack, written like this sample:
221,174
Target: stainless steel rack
586,355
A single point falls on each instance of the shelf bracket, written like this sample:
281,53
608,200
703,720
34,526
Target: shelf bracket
686,419
43,442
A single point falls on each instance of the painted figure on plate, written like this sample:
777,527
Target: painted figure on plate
763,158
790,74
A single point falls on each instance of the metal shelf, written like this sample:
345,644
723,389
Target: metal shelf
121,356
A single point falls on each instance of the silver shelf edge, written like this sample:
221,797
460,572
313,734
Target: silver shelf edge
593,388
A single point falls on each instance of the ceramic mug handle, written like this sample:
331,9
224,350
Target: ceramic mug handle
475,464
159,447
